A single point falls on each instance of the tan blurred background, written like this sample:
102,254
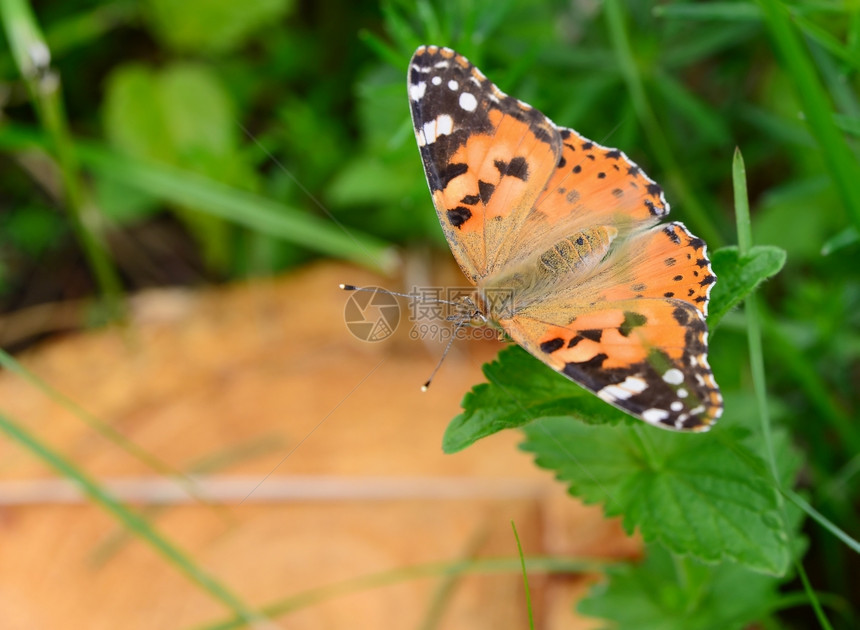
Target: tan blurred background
262,392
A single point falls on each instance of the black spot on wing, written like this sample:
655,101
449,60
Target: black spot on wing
577,168
654,190
595,362
471,199
541,133
673,236
652,208
459,215
681,316
592,334
614,154
573,341
517,167
486,190
439,179
552,345
633,170
587,145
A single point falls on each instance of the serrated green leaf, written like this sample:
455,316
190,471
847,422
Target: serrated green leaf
666,593
738,276
709,497
521,389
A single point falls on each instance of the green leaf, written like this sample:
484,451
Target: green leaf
521,389
212,25
181,115
738,276
706,496
666,593
844,238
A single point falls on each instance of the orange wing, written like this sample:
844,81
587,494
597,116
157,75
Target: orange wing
646,356
633,331
591,185
486,156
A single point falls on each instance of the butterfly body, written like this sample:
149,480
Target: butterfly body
563,240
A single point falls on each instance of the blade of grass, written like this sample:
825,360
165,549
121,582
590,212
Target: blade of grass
822,520
250,210
659,143
729,11
550,565
848,124
841,163
131,520
253,211
525,577
742,212
825,40
102,428
33,57
443,593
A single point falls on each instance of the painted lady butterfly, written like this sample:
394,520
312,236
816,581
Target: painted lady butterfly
561,237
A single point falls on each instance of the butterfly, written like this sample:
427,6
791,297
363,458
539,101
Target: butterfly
563,241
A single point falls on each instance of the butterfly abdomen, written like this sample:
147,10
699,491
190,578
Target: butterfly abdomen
580,250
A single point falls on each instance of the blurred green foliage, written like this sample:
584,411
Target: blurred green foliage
252,136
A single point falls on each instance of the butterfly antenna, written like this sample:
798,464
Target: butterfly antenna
426,385
410,296
352,287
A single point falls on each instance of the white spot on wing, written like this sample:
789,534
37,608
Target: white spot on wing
444,125
676,405
674,376
611,393
436,80
416,91
654,416
453,85
681,393
468,101
430,131
634,384
439,126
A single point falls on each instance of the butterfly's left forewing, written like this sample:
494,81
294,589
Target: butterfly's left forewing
486,156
